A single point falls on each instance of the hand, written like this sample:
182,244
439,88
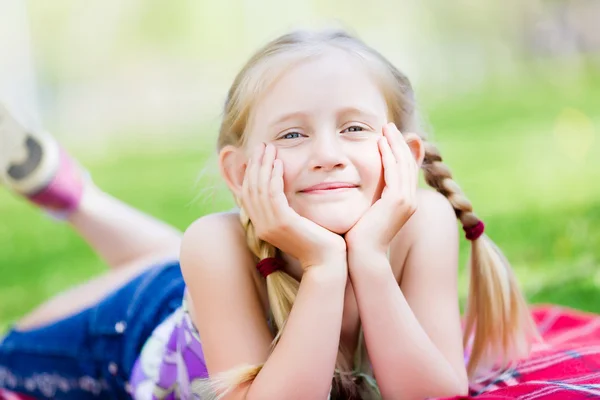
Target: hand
384,219
276,222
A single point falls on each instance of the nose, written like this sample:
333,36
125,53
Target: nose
327,153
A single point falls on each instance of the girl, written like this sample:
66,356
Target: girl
335,265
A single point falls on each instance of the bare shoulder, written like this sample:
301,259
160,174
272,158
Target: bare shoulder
214,250
433,206
432,223
220,234
225,305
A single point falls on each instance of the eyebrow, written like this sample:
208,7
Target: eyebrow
340,112
288,116
356,110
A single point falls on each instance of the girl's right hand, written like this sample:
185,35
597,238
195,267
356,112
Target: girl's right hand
276,222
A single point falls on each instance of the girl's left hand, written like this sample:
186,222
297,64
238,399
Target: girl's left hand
375,230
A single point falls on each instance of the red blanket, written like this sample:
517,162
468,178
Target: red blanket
566,366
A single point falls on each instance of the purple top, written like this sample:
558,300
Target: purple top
171,364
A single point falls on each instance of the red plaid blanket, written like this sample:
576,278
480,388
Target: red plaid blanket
566,366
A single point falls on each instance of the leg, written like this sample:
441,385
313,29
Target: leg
78,298
121,234
33,164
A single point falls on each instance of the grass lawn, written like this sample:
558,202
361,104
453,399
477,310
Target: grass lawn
527,157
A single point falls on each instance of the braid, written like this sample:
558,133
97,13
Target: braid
497,317
439,177
258,247
281,287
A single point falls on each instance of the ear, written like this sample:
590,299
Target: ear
416,146
232,164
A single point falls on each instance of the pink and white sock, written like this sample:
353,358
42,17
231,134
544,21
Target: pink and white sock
63,192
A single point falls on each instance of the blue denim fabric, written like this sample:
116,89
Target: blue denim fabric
91,354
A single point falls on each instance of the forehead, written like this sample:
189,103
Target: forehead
322,84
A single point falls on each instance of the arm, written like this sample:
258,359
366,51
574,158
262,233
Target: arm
230,317
412,331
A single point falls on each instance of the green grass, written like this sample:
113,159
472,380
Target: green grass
530,167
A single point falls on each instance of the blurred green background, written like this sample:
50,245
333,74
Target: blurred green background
133,89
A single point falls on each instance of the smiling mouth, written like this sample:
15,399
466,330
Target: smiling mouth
334,187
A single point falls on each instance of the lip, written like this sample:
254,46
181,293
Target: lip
329,186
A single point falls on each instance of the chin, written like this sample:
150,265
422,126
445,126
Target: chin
336,221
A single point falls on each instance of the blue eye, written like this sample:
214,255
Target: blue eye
290,135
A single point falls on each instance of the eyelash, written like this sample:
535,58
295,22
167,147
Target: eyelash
298,133
289,133
356,126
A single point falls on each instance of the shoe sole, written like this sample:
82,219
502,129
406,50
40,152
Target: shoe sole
28,160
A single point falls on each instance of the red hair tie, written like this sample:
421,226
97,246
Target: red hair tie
269,265
474,232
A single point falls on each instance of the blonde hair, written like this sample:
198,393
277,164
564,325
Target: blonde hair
497,318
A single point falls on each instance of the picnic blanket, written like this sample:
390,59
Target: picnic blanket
565,366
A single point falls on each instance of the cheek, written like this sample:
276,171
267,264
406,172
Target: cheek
368,161
370,169
291,171
376,179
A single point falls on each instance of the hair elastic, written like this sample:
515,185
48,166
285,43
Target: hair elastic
474,232
269,265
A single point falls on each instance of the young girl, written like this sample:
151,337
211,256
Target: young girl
336,278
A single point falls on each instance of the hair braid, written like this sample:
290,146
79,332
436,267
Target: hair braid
281,287
497,317
438,176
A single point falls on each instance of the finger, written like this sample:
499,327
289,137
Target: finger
264,177
277,197
408,170
390,167
395,140
254,169
250,180
409,164
404,160
264,172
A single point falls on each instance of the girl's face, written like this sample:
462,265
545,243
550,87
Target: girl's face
324,117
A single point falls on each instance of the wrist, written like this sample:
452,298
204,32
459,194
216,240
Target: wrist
366,253
332,272
368,259
333,257
358,245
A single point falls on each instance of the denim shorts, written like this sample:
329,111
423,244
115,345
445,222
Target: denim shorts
91,354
